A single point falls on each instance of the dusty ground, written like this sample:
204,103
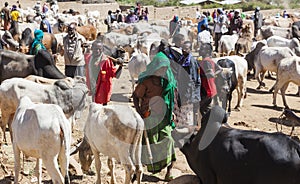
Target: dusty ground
256,114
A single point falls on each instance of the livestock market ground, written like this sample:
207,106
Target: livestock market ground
256,114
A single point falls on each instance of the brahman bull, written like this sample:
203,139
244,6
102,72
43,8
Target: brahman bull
70,99
227,44
268,31
136,65
226,84
277,41
288,71
221,155
36,128
117,135
265,58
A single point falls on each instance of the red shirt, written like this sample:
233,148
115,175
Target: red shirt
207,65
104,82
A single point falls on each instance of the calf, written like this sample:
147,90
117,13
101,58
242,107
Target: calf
231,156
38,127
288,71
117,135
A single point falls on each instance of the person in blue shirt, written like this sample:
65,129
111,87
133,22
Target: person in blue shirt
202,21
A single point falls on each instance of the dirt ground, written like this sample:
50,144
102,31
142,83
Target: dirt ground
257,113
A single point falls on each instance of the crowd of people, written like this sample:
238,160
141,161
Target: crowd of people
133,15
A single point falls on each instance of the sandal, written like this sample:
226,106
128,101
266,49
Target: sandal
169,178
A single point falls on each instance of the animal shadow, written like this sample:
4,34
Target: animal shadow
150,178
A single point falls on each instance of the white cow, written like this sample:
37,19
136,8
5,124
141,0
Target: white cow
136,65
241,69
288,71
277,41
227,44
70,99
117,135
42,131
265,58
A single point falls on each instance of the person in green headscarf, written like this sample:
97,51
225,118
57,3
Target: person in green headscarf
153,99
37,42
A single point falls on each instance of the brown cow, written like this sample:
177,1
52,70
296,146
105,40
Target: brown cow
89,32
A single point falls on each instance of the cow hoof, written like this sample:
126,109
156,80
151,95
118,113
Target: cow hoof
237,108
259,87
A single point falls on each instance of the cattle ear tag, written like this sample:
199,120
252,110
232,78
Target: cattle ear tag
210,132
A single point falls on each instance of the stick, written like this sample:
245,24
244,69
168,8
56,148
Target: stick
148,148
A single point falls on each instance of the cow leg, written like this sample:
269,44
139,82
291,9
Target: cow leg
129,170
283,89
11,117
277,86
38,170
111,166
64,160
229,102
97,165
17,153
137,157
241,92
53,169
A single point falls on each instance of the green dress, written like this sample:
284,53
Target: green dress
159,131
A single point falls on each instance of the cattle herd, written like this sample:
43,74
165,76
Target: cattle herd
40,105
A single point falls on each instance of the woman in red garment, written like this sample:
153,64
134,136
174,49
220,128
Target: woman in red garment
105,76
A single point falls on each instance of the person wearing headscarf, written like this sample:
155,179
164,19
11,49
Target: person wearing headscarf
73,52
153,99
101,72
37,42
174,26
131,17
45,25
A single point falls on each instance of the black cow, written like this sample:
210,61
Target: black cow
15,64
226,82
26,41
295,30
220,155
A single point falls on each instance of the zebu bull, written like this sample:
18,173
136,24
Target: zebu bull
264,58
70,99
117,135
236,81
288,71
136,65
224,155
36,128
